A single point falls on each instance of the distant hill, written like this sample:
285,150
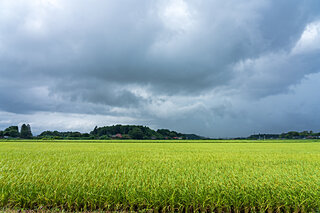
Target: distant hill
139,132
194,137
122,132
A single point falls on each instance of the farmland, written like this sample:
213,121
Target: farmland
224,176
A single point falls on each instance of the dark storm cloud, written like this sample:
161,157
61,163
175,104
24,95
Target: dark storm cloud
273,73
106,93
283,22
160,61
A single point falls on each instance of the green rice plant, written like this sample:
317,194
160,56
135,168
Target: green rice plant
160,176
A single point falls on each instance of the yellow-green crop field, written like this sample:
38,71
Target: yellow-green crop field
160,176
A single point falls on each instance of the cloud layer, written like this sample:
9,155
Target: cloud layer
220,69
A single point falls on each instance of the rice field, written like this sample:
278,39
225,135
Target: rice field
206,177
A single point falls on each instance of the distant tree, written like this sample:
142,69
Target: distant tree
127,132
292,135
95,131
136,133
1,134
25,131
29,130
85,135
165,133
173,134
304,134
12,131
104,137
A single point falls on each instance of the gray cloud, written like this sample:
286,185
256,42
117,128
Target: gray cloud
195,66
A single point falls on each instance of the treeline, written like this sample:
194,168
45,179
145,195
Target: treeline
119,132
135,132
100,133
287,135
13,132
65,135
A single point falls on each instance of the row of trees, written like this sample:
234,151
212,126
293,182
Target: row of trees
65,135
135,132
106,132
13,132
287,135
119,132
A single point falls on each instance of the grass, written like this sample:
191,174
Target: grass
160,176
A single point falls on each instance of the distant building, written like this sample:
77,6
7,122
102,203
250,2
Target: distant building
117,136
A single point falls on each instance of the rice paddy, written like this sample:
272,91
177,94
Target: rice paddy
219,177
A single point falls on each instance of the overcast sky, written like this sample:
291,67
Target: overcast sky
211,67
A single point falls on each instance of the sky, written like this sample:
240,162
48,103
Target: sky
210,67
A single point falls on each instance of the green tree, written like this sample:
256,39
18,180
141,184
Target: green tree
95,131
25,131
292,135
1,134
12,131
136,133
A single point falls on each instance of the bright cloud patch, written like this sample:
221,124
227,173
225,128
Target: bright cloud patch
310,39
